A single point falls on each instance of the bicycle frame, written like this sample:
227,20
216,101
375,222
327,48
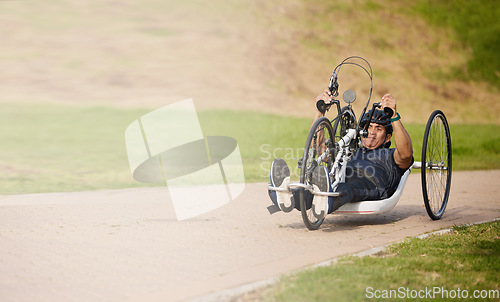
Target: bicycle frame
342,158
338,169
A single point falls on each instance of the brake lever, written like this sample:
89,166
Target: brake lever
334,85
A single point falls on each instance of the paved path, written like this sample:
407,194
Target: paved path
126,245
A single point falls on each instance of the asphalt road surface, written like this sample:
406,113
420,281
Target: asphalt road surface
126,245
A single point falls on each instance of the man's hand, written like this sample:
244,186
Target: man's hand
389,101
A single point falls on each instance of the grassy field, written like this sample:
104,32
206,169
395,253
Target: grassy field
476,26
432,269
52,148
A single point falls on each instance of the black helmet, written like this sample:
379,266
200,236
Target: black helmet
379,117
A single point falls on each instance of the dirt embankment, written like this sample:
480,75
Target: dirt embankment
255,55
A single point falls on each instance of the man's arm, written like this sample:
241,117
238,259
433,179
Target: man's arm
403,156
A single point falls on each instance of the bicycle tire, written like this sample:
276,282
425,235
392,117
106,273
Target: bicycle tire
436,165
321,132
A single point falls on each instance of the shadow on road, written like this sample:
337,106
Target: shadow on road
336,223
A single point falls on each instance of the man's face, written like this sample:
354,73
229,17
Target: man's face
376,136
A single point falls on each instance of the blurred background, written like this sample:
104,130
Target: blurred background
74,74
272,56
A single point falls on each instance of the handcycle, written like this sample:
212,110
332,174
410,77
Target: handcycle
332,143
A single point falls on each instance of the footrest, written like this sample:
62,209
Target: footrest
300,185
334,194
303,186
278,189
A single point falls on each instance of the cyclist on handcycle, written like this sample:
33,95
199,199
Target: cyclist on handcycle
373,173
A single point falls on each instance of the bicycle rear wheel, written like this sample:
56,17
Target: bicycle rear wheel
436,165
319,150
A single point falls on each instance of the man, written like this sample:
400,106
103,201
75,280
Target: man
373,173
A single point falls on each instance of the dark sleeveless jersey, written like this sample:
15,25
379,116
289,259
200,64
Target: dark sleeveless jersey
379,167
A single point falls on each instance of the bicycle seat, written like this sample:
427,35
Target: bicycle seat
375,206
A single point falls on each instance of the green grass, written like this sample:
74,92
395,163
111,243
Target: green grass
476,25
474,147
466,259
48,148
52,148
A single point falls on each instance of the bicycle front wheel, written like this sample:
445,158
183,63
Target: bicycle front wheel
436,165
319,150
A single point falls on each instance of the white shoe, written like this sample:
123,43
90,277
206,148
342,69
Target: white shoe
280,178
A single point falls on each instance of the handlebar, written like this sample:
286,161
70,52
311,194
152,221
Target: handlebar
388,111
322,106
